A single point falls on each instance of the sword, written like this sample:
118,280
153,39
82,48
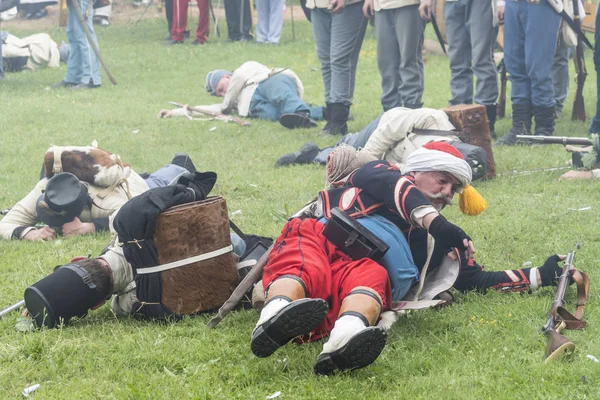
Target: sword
438,33
558,6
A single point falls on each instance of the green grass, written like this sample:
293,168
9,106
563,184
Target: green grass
484,346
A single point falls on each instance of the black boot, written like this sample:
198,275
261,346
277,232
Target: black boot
521,124
337,119
327,115
306,155
299,119
491,116
544,120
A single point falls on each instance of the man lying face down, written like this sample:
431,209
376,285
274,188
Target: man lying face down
314,289
254,90
80,188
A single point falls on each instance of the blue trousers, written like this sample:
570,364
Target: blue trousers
356,140
595,127
530,38
1,62
339,38
82,65
471,41
270,20
165,176
278,95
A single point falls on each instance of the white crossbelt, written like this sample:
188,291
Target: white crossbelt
185,261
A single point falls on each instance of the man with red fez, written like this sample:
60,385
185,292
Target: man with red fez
313,288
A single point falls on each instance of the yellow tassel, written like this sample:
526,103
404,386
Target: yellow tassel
471,202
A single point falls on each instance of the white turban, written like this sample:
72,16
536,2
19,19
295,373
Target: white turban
429,160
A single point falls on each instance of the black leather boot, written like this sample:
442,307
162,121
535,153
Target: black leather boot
521,124
544,120
491,116
337,119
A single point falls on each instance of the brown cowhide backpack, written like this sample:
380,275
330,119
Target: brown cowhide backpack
88,163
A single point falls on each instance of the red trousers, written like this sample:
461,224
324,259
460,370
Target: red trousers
180,8
328,274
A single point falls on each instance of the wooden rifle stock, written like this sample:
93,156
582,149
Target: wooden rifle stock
579,61
558,317
501,106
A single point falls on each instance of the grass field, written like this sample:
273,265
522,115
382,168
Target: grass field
483,347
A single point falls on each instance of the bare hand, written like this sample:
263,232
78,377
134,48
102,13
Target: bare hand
500,14
470,248
576,175
76,227
336,6
368,8
37,235
426,10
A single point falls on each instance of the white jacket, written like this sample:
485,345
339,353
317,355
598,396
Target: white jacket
393,139
244,82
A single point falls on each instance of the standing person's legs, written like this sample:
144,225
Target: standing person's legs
560,76
74,34
263,8
410,28
203,21
483,36
388,59
232,15
459,52
90,65
180,8
321,25
541,38
275,21
480,19
347,32
169,15
247,22
514,58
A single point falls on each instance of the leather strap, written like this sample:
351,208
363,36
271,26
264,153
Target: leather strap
57,167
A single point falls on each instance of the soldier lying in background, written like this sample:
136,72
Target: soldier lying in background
81,188
254,90
393,136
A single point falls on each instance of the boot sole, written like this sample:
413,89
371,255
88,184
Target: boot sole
360,351
297,318
293,121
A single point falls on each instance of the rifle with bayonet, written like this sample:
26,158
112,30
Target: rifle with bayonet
559,318
501,106
565,140
579,61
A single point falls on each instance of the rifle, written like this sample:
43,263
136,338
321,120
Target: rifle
11,308
559,318
565,140
501,106
214,114
579,61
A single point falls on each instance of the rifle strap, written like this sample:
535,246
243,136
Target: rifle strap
583,286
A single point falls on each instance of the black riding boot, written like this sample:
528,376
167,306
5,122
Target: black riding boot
521,124
491,116
337,119
544,120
